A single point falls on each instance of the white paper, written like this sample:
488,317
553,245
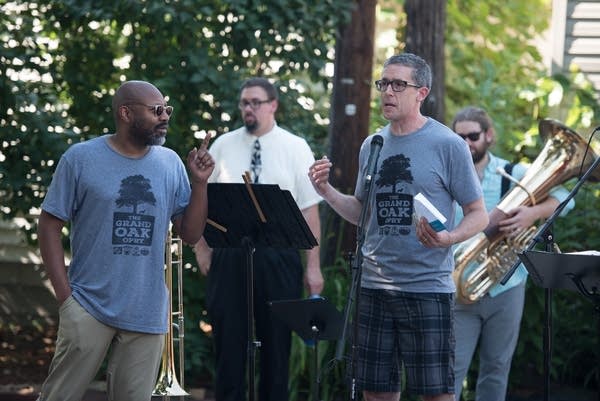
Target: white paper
590,252
424,208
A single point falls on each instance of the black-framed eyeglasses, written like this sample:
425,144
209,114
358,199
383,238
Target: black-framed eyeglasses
472,136
254,103
157,109
398,85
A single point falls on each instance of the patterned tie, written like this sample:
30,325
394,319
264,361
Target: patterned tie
256,163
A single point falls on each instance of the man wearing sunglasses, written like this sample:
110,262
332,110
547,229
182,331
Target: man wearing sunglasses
493,322
119,192
407,291
272,155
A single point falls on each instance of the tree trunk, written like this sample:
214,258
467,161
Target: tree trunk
425,30
349,119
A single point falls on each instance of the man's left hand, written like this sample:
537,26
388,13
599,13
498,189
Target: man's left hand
200,162
520,218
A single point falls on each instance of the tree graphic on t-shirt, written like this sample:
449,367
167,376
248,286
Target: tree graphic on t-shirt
135,190
394,170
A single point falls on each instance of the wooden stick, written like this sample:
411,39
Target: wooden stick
246,177
216,225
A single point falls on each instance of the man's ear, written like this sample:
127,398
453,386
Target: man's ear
422,93
490,135
124,114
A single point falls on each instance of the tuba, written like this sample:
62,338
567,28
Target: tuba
483,260
167,384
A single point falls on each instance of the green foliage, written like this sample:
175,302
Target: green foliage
491,57
198,347
62,60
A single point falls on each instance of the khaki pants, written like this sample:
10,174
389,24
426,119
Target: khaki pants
81,347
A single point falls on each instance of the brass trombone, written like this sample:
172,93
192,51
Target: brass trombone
167,384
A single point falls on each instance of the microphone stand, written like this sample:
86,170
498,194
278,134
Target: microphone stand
354,292
545,233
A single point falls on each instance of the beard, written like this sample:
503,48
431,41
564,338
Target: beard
251,127
158,141
477,156
148,137
251,123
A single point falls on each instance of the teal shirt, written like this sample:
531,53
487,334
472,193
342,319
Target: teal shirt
491,185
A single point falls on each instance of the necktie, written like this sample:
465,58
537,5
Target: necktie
255,162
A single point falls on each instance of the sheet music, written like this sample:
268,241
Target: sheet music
589,252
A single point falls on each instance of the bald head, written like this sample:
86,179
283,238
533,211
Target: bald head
135,92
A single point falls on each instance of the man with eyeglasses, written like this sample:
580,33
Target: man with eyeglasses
119,192
407,291
272,155
493,322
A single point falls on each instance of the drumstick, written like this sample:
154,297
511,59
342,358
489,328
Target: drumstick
204,145
246,177
216,225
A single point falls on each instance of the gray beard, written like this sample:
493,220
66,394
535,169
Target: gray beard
159,141
147,136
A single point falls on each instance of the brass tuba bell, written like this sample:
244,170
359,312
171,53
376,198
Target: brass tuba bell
483,260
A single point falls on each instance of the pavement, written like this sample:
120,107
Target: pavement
95,392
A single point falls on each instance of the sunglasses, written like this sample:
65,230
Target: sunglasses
472,136
398,85
157,109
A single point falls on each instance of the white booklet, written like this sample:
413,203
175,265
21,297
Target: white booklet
424,208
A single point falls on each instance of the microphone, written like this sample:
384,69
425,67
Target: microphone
376,144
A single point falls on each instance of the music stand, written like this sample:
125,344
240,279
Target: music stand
578,272
571,271
313,319
250,215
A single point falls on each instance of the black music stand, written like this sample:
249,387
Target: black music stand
249,216
572,271
313,319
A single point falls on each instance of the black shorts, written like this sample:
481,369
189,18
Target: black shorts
414,330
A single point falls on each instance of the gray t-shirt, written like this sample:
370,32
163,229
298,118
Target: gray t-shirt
436,162
119,209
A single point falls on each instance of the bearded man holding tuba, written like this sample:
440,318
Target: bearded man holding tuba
493,320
